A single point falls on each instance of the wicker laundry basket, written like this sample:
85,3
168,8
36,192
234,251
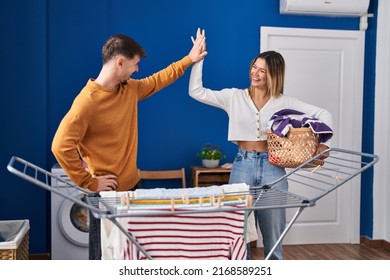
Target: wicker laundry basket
17,248
297,147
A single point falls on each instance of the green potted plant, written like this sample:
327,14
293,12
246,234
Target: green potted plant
211,155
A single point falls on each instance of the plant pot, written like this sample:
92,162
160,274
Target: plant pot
210,163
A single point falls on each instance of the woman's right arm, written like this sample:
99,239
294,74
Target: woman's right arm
218,99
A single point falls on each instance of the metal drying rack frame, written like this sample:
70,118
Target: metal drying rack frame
307,184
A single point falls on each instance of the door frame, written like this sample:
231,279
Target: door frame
381,227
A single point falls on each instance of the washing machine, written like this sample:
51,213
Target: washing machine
69,223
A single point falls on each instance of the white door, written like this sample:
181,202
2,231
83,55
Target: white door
325,68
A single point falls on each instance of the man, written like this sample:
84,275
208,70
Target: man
101,125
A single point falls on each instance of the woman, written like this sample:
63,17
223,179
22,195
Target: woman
249,112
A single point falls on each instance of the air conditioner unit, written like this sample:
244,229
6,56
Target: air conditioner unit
337,8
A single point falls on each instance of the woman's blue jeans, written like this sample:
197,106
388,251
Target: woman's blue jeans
254,169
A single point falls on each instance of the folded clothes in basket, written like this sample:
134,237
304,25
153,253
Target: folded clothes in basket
281,122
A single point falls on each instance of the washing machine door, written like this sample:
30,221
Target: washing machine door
73,220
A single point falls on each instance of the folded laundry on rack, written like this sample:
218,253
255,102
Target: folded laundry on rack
219,235
169,193
282,121
166,193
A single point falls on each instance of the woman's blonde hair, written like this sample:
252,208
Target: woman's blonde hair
275,72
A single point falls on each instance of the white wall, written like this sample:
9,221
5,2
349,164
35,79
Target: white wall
382,124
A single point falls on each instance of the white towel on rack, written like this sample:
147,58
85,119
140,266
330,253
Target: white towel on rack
165,193
112,241
251,233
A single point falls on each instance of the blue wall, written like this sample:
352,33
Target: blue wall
53,47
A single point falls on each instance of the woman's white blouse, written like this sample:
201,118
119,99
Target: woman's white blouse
246,122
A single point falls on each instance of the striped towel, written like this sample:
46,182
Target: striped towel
217,236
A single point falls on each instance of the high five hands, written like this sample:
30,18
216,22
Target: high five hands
198,51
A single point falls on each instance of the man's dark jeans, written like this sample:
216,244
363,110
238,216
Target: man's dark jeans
95,244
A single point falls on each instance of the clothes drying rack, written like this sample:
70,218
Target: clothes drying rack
308,183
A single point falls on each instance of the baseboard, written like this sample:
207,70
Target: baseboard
386,245
377,243
363,241
39,257
253,244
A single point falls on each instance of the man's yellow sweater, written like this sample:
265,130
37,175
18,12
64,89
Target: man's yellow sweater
102,128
